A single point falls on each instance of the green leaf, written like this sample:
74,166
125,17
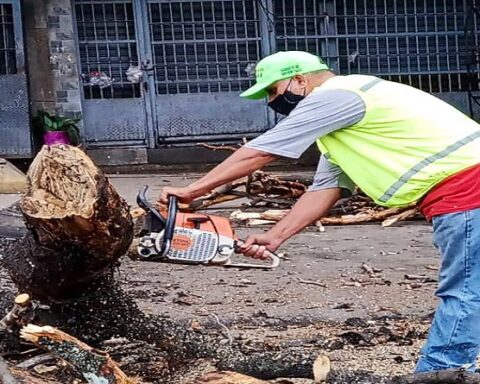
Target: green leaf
74,135
48,121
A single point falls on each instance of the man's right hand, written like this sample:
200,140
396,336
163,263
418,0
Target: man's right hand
258,246
184,194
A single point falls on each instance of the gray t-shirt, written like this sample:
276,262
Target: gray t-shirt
323,111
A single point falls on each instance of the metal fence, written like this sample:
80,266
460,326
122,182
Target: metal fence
14,104
417,42
203,46
108,45
8,64
188,48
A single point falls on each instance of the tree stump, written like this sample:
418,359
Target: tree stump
78,226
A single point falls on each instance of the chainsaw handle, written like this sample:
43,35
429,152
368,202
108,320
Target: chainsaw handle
275,260
170,224
143,202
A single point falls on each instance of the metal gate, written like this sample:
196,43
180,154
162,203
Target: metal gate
14,112
195,57
114,114
198,55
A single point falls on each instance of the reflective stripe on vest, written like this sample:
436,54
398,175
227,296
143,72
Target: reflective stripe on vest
425,162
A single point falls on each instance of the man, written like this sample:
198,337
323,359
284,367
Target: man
400,146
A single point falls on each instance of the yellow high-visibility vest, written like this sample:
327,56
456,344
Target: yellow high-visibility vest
407,142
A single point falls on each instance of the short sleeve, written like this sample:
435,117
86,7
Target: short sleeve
329,175
320,113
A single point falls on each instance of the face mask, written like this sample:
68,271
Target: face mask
286,102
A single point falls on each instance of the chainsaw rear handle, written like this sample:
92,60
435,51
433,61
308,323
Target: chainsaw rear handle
275,260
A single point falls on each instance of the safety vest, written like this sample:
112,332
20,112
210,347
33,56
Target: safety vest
407,142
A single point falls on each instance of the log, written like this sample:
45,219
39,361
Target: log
6,376
439,377
227,378
92,363
78,226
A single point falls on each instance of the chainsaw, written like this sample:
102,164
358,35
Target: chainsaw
190,238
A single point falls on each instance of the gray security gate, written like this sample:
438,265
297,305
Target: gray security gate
114,115
14,112
200,52
194,56
198,55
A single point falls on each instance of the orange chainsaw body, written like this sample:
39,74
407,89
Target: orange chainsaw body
207,223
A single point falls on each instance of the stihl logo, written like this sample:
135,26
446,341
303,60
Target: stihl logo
181,242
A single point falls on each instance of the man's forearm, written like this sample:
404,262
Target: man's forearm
241,163
309,208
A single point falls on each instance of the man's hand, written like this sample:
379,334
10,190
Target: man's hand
258,246
242,163
184,194
309,208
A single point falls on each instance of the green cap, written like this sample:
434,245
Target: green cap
280,66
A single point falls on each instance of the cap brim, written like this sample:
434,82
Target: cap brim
255,92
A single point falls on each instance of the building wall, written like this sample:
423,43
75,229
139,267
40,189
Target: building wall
51,57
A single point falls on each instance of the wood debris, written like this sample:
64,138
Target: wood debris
228,378
19,315
6,376
263,189
92,363
275,215
321,368
310,282
440,377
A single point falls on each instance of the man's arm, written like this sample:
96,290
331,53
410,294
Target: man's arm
241,163
309,208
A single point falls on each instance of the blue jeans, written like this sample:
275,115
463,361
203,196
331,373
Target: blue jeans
454,337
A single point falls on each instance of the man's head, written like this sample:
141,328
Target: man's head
286,78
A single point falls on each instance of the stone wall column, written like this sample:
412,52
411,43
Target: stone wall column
52,58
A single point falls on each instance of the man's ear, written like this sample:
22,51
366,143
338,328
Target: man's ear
301,80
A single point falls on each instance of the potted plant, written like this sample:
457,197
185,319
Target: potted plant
55,129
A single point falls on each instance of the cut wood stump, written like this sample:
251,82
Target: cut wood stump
78,225
18,316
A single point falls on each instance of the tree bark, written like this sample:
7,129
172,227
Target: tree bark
228,378
440,377
91,362
78,226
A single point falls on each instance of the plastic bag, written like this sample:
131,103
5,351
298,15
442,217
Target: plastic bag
134,74
98,79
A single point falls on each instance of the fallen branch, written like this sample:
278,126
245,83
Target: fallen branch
408,214
439,377
310,282
227,378
41,359
92,363
218,147
279,214
6,376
